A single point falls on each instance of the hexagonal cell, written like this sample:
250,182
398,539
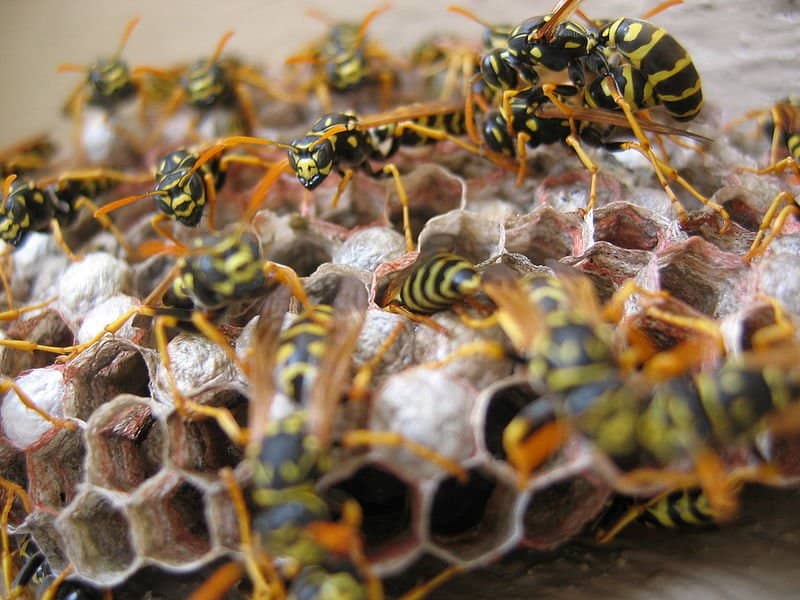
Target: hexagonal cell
200,446
557,512
106,370
546,234
464,233
628,226
369,247
607,266
388,503
472,524
168,521
430,408
55,469
198,365
47,328
478,369
431,191
703,276
97,538
126,443
496,407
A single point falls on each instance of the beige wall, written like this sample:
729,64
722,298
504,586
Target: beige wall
746,50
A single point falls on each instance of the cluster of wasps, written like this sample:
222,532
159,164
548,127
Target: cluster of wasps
660,418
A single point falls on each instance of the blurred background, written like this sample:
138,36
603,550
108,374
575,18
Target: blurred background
746,51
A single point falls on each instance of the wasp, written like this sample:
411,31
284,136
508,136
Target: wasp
344,143
51,204
679,509
437,283
535,120
109,87
644,427
217,83
292,520
183,188
345,59
31,154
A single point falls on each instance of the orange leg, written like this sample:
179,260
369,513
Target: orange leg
362,437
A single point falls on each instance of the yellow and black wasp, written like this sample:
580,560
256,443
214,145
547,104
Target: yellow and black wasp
292,521
51,204
29,155
686,509
644,427
109,81
345,60
212,83
345,143
182,190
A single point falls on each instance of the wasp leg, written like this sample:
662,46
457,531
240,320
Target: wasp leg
527,450
52,589
343,182
422,590
401,194
188,408
107,224
493,350
289,278
573,142
411,316
213,333
360,388
14,313
265,580
8,384
12,490
772,222
659,166
782,331
219,582
58,236
364,437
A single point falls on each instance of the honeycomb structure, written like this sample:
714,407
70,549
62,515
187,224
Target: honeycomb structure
135,487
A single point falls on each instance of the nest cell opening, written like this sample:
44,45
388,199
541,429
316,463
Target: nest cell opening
56,469
126,449
201,446
560,511
502,407
386,503
171,523
472,520
97,539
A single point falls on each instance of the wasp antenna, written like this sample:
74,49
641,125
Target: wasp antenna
317,14
362,29
327,134
7,184
112,206
71,68
220,47
126,34
464,12
234,140
661,7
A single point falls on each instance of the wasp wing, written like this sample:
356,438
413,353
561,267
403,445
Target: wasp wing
350,307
